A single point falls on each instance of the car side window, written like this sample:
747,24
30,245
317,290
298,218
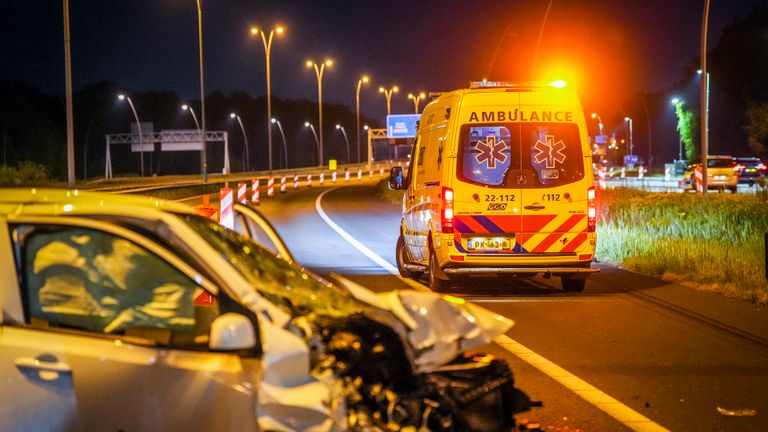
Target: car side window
95,281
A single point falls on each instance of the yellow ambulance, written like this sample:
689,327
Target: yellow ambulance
500,182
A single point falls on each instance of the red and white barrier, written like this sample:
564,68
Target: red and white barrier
226,208
699,175
270,187
667,173
283,185
601,178
309,180
242,193
346,174
623,173
255,198
333,177
295,181
640,172
322,179
359,173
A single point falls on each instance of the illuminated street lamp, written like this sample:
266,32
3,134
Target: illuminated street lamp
388,94
267,40
314,133
285,146
138,124
599,122
245,140
363,79
319,69
344,132
416,99
678,103
628,120
186,107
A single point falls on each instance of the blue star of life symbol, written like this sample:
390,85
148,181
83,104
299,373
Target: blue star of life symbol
491,151
550,152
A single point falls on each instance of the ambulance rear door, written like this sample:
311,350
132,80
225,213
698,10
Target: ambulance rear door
553,179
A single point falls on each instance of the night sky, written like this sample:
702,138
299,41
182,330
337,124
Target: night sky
608,49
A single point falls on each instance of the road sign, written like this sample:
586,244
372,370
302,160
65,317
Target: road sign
332,164
630,160
402,125
601,139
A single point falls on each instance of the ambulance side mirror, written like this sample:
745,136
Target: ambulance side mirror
396,178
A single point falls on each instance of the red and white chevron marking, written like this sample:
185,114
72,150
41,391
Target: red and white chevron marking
270,187
226,208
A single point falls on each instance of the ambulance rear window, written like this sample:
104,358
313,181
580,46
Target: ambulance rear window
520,155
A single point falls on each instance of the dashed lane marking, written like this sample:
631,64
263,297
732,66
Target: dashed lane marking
622,413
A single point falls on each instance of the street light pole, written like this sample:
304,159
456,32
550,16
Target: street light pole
245,139
704,92
203,155
631,144
388,94
416,99
267,40
285,145
363,79
317,142
319,69
600,126
70,115
186,107
138,125
344,132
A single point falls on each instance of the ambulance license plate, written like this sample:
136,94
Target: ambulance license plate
490,244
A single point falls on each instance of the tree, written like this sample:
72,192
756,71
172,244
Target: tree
757,130
686,126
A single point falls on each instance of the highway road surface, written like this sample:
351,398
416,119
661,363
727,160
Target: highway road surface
629,353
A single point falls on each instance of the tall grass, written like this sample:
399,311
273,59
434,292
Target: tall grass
717,241
26,173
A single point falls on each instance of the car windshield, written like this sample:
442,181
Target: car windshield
282,283
720,163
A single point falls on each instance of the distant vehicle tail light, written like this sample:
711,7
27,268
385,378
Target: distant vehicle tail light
446,221
592,210
761,167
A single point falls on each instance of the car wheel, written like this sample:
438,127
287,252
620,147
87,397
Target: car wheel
435,283
573,284
402,259
734,189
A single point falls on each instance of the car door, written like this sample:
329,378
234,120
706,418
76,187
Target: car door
416,227
114,337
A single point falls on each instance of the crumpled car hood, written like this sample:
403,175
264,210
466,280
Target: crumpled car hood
439,327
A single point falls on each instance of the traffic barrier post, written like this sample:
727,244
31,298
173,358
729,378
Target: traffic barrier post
333,177
270,187
346,174
309,180
623,173
283,185
322,179
667,173
295,181
255,198
640,172
359,173
226,208
242,193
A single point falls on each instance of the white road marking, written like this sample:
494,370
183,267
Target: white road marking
620,412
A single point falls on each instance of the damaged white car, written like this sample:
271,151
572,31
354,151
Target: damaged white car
137,314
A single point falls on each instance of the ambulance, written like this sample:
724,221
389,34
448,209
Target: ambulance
500,183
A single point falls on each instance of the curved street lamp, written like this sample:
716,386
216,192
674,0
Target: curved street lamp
285,145
267,40
346,139
631,144
363,80
388,94
416,99
319,69
314,133
186,107
138,125
245,139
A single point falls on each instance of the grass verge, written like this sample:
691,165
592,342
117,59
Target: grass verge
714,242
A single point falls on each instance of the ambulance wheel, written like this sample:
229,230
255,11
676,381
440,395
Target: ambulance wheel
573,283
402,260
435,283
734,189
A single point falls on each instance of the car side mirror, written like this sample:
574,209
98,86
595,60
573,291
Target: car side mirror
396,178
232,332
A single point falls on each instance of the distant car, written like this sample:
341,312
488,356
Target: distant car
722,173
131,313
751,170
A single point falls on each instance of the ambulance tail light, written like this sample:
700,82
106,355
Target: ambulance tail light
592,210
446,216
